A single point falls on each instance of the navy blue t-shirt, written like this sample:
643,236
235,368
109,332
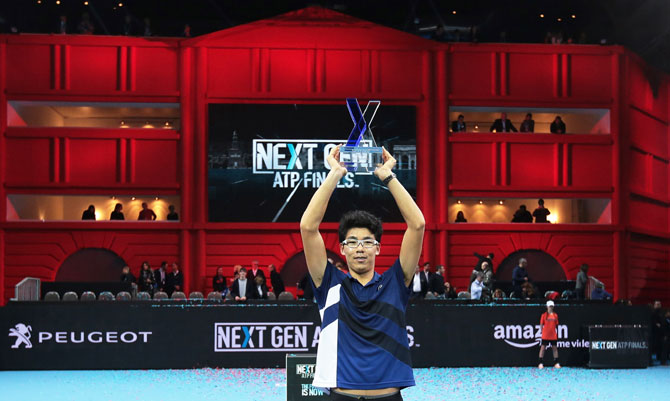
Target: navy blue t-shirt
363,342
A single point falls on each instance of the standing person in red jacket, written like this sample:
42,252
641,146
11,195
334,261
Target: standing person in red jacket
549,323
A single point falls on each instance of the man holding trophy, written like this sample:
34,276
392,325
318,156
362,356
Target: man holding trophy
363,348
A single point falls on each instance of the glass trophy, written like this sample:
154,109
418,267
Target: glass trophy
361,153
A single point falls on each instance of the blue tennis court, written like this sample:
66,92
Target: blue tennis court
572,384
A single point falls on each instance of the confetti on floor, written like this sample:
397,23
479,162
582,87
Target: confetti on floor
574,384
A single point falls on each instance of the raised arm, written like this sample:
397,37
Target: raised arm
312,242
412,241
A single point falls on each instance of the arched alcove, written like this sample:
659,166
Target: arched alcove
295,267
541,266
91,265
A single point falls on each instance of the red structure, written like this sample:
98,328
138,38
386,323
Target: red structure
320,56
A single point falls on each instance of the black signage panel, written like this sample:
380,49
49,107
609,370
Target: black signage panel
182,335
620,346
299,377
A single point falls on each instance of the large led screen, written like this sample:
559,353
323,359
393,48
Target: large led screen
266,160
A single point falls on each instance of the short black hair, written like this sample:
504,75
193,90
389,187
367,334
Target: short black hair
540,201
360,219
243,269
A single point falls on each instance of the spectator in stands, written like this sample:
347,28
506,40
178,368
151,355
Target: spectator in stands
417,285
599,292
160,276
665,338
127,29
117,214
260,289
520,276
275,280
146,280
85,26
172,216
481,259
541,212
522,215
459,125
147,27
477,286
175,280
460,217
242,287
127,276
219,282
581,281
146,213
558,126
656,331
487,271
502,124
89,214
528,292
449,291
426,276
528,124
255,271
187,31
437,282
498,295
306,286
62,24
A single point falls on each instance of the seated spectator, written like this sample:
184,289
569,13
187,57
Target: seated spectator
146,213
276,280
498,295
172,216
528,124
175,280
146,280
599,293
305,285
528,292
558,126
127,276
117,214
219,282
581,281
260,289
460,217
242,288
541,212
502,124
437,283
522,215
89,214
449,292
477,286
458,125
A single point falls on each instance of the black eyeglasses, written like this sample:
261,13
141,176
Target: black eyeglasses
353,243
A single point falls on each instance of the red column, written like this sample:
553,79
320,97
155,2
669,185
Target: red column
3,195
200,199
